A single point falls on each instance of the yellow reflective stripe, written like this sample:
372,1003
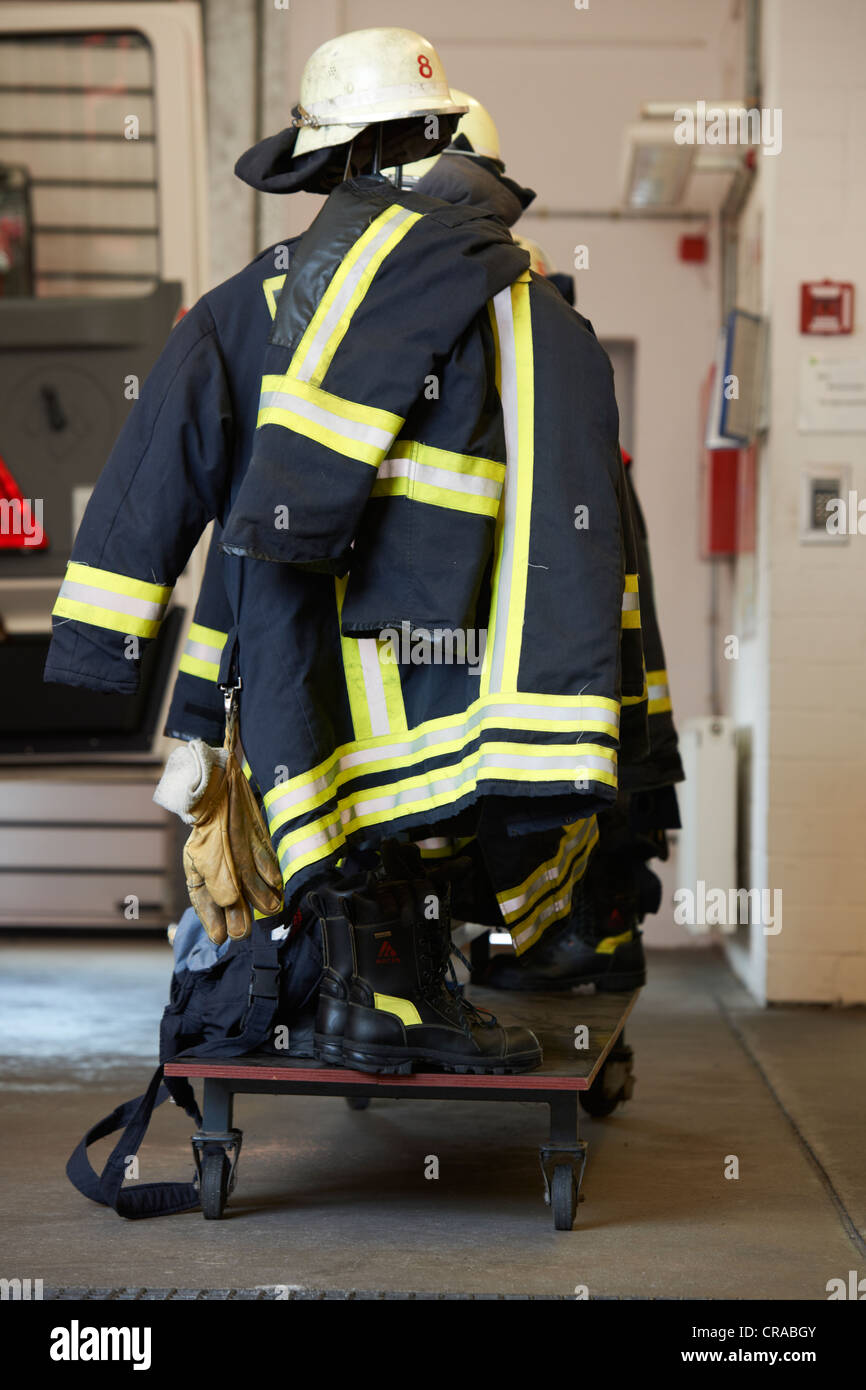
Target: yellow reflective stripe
552,910
367,260
272,287
508,591
404,1009
325,785
105,617
526,457
608,944
393,687
337,281
117,583
407,222
514,903
194,666
424,741
353,674
424,473
659,692
372,682
468,465
202,652
435,496
357,431
360,808
352,411
631,602
210,636
320,434
553,913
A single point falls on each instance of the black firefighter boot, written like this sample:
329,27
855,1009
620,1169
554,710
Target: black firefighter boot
600,942
396,1009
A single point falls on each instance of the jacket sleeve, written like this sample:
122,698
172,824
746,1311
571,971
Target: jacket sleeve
350,353
165,479
196,709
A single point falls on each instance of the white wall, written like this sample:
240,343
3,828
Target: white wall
810,785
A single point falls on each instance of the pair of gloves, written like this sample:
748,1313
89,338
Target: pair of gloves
228,860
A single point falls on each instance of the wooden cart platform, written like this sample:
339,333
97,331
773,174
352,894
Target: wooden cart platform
586,1062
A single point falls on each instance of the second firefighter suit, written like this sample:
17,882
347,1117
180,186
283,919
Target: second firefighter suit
327,436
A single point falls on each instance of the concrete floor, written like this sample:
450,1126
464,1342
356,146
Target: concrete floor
335,1200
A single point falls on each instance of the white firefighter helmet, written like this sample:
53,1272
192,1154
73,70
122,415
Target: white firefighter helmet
539,261
367,76
477,125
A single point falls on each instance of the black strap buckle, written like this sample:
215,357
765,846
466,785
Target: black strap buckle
264,982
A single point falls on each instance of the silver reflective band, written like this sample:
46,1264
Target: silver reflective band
318,840
505,710
296,795
508,396
557,905
439,477
115,603
374,686
318,415
510,907
488,762
199,651
630,601
342,298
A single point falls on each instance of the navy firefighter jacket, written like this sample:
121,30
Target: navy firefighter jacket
267,413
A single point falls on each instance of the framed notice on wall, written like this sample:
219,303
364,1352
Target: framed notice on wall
832,394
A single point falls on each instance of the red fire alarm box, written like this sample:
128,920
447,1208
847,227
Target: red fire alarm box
827,307
693,248
719,503
718,484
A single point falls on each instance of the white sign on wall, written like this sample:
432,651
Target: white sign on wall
832,395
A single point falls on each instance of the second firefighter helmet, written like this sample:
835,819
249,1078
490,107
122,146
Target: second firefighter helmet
367,76
479,128
539,261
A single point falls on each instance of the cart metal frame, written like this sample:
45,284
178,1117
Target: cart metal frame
597,1077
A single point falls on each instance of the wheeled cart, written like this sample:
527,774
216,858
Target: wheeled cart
586,1062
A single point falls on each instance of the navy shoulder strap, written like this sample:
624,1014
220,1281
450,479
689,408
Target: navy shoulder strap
133,1117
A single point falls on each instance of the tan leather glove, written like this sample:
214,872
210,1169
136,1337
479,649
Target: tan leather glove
228,860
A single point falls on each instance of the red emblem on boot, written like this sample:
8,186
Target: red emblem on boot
387,955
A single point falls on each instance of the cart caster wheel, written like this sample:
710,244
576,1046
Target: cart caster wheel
614,1083
563,1197
214,1189
357,1102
